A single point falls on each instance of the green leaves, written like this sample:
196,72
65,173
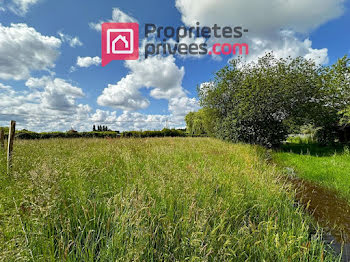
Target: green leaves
261,102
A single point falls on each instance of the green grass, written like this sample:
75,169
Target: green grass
161,199
328,166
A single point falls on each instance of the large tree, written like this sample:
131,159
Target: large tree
259,102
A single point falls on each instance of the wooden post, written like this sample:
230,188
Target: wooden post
11,138
2,138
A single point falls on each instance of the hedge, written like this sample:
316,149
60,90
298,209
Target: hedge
95,134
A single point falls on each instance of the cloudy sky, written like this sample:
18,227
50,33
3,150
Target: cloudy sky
51,78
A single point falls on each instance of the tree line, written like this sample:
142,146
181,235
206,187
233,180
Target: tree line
263,102
100,128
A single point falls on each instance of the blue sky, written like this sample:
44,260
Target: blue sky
44,88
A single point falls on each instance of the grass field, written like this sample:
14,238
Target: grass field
328,166
161,199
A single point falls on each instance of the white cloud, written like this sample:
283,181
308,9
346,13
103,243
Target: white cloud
160,74
23,50
21,7
287,44
181,106
133,120
44,107
72,41
164,80
273,25
261,16
124,95
56,94
49,104
5,87
118,16
88,61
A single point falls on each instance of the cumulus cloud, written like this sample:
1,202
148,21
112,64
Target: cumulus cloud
72,41
118,16
52,104
287,44
32,110
5,87
273,25
264,16
56,94
181,106
23,50
88,61
21,7
159,74
47,104
132,120
124,95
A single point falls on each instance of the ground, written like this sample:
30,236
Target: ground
160,199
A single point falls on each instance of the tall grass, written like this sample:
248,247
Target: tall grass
169,199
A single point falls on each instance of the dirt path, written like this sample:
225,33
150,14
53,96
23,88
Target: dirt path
331,212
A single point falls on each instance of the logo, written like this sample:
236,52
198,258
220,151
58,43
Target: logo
120,41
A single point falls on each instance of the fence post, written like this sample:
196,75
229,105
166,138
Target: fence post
2,138
11,138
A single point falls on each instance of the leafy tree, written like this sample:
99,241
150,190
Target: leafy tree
258,102
332,115
200,123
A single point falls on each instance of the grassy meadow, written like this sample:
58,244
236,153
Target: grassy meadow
327,166
155,199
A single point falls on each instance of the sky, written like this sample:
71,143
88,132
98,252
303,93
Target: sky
51,78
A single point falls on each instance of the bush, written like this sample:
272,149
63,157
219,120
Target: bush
257,102
99,134
48,135
164,133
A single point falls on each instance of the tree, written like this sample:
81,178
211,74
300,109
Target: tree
258,102
94,128
335,100
200,123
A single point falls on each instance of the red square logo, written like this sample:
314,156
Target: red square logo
120,41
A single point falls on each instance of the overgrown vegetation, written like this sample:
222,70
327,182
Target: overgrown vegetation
263,102
169,199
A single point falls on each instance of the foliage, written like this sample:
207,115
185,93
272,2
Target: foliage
255,102
200,123
168,199
99,134
335,99
163,133
263,102
48,135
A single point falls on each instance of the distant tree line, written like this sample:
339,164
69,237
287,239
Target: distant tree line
100,128
24,134
263,102
163,133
